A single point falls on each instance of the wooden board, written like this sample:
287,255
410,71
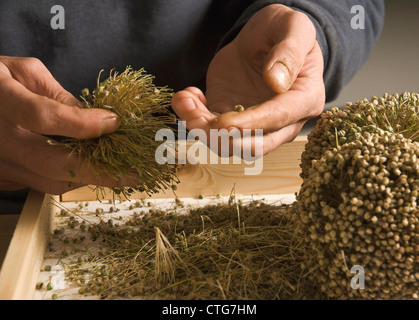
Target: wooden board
23,260
280,175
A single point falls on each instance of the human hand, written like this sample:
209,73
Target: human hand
33,104
274,68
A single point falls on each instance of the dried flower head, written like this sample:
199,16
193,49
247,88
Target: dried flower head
358,204
143,110
391,113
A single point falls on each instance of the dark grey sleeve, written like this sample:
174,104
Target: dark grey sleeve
344,48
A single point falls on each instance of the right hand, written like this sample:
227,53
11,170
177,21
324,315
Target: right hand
33,104
274,69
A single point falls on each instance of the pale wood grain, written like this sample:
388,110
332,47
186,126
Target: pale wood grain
280,175
21,266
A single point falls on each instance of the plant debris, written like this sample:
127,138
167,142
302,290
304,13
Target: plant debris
220,251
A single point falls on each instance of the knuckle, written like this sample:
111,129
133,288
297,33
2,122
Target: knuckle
57,119
301,20
317,108
42,120
300,17
196,92
73,122
88,124
181,95
28,70
4,69
315,100
54,121
57,95
32,63
61,95
226,120
321,96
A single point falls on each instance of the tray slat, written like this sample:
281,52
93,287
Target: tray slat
21,266
280,175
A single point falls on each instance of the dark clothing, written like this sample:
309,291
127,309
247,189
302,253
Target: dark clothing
174,40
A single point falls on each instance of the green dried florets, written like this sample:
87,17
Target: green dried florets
392,113
143,109
358,204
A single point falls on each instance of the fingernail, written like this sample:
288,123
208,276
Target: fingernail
280,75
189,104
110,122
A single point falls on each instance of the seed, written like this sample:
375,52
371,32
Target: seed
238,108
85,92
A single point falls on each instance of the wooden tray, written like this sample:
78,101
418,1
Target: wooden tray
22,264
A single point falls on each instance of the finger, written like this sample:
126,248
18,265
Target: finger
43,115
198,93
190,106
304,100
251,146
33,152
270,116
24,178
285,135
36,77
11,186
290,46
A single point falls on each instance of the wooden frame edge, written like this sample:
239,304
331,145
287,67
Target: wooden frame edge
23,260
280,175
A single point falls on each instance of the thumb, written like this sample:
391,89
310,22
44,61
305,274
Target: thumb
190,106
278,76
287,57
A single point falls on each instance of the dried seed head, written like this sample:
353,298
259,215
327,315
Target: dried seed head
239,108
364,206
143,109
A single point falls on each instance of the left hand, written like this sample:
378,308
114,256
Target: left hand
274,68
